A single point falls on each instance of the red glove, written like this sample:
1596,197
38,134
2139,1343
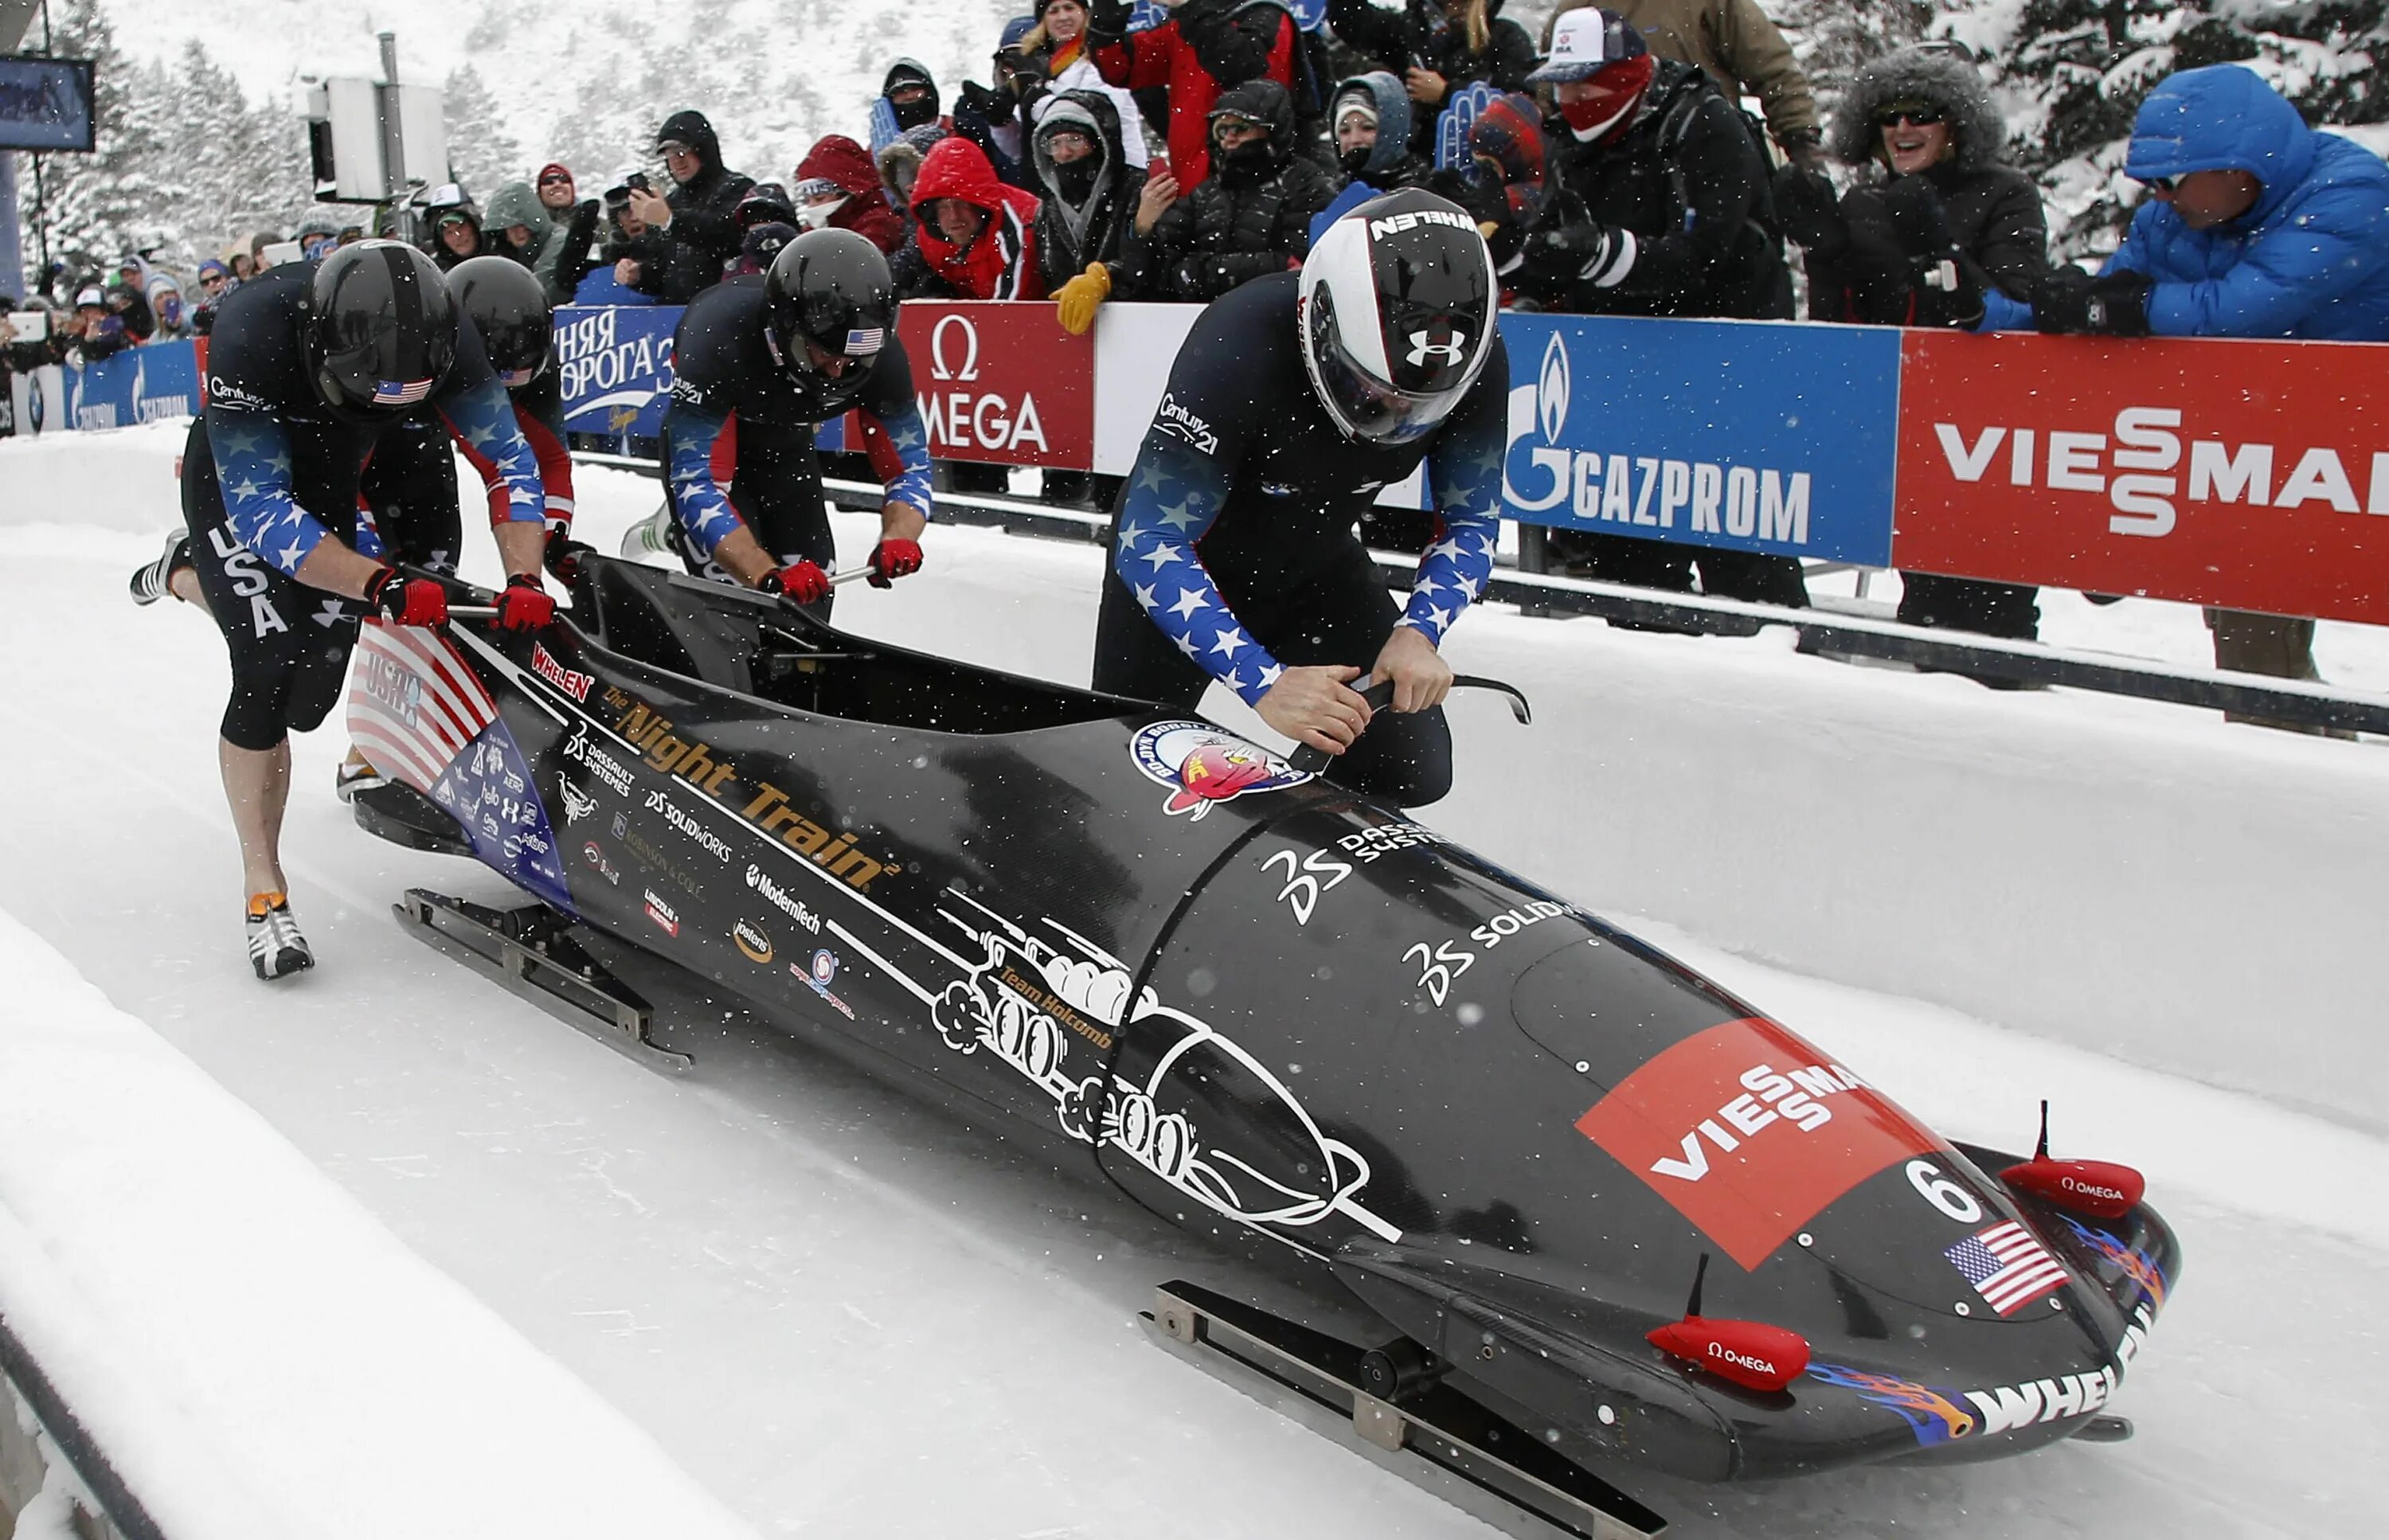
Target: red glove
891,559
405,601
525,605
800,583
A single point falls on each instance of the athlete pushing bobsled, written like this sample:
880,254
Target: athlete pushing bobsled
757,362
1294,401
309,368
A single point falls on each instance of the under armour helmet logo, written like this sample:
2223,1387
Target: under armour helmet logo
1450,352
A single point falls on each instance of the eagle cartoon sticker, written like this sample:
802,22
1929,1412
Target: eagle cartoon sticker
1202,765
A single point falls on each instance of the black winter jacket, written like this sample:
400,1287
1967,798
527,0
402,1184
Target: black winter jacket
1688,180
1242,221
1993,216
1100,226
1409,37
704,235
1863,263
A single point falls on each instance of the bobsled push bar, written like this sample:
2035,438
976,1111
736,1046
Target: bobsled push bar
528,951
1381,695
1395,1402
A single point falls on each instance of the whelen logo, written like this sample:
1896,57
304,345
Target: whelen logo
1750,1133
2151,468
573,682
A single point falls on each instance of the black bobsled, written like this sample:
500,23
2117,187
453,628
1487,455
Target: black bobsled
1269,1008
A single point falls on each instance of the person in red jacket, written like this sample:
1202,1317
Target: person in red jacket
1204,47
973,236
837,188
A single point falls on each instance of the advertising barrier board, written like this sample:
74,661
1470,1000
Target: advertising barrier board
146,384
996,382
2249,474
1748,436
616,365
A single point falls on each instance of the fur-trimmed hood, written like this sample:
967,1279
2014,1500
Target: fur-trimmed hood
1933,75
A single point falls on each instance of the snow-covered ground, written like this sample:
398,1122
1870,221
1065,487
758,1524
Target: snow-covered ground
837,1312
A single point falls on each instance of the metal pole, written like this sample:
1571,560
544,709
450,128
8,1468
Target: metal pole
393,143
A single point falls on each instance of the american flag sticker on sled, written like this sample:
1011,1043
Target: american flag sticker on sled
2008,1267
393,392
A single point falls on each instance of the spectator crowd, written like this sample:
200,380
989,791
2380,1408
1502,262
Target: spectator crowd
1611,165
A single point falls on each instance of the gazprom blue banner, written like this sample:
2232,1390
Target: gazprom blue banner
1749,436
140,384
616,365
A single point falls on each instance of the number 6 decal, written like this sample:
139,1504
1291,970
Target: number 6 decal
1943,1193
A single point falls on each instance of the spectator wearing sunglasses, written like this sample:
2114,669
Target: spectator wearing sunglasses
2254,226
557,193
1935,218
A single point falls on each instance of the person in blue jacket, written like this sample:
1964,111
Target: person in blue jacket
2255,226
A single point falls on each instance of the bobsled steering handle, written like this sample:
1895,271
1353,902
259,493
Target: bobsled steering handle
1311,761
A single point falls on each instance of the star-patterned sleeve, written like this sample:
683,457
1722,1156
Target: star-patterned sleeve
252,456
898,446
481,419
1464,474
1173,494
697,499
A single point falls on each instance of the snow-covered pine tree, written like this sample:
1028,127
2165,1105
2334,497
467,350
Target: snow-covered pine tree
1832,38
481,153
2073,72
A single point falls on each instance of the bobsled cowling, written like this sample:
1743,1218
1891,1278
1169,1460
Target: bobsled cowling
1277,1013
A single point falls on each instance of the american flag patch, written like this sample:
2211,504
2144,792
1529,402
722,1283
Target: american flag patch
392,392
2008,1267
414,705
863,341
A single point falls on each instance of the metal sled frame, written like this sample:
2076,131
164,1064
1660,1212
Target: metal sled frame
1436,1422
529,951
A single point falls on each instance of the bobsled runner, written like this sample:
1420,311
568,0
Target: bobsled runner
1599,1212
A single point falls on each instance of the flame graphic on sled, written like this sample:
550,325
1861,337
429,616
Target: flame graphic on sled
2132,1261
1932,1417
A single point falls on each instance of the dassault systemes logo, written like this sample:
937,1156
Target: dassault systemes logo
1544,405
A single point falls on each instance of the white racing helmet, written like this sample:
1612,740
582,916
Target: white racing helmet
1397,315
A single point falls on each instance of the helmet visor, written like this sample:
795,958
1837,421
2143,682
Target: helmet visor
1365,406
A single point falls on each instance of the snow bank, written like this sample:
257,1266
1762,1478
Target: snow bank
259,1358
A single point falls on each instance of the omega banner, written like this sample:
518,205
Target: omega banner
2253,475
996,382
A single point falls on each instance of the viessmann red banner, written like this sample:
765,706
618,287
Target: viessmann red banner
2253,475
997,382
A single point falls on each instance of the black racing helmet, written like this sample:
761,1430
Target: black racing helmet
505,303
832,289
380,329
1396,314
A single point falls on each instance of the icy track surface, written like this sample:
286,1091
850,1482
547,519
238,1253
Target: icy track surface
841,1314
